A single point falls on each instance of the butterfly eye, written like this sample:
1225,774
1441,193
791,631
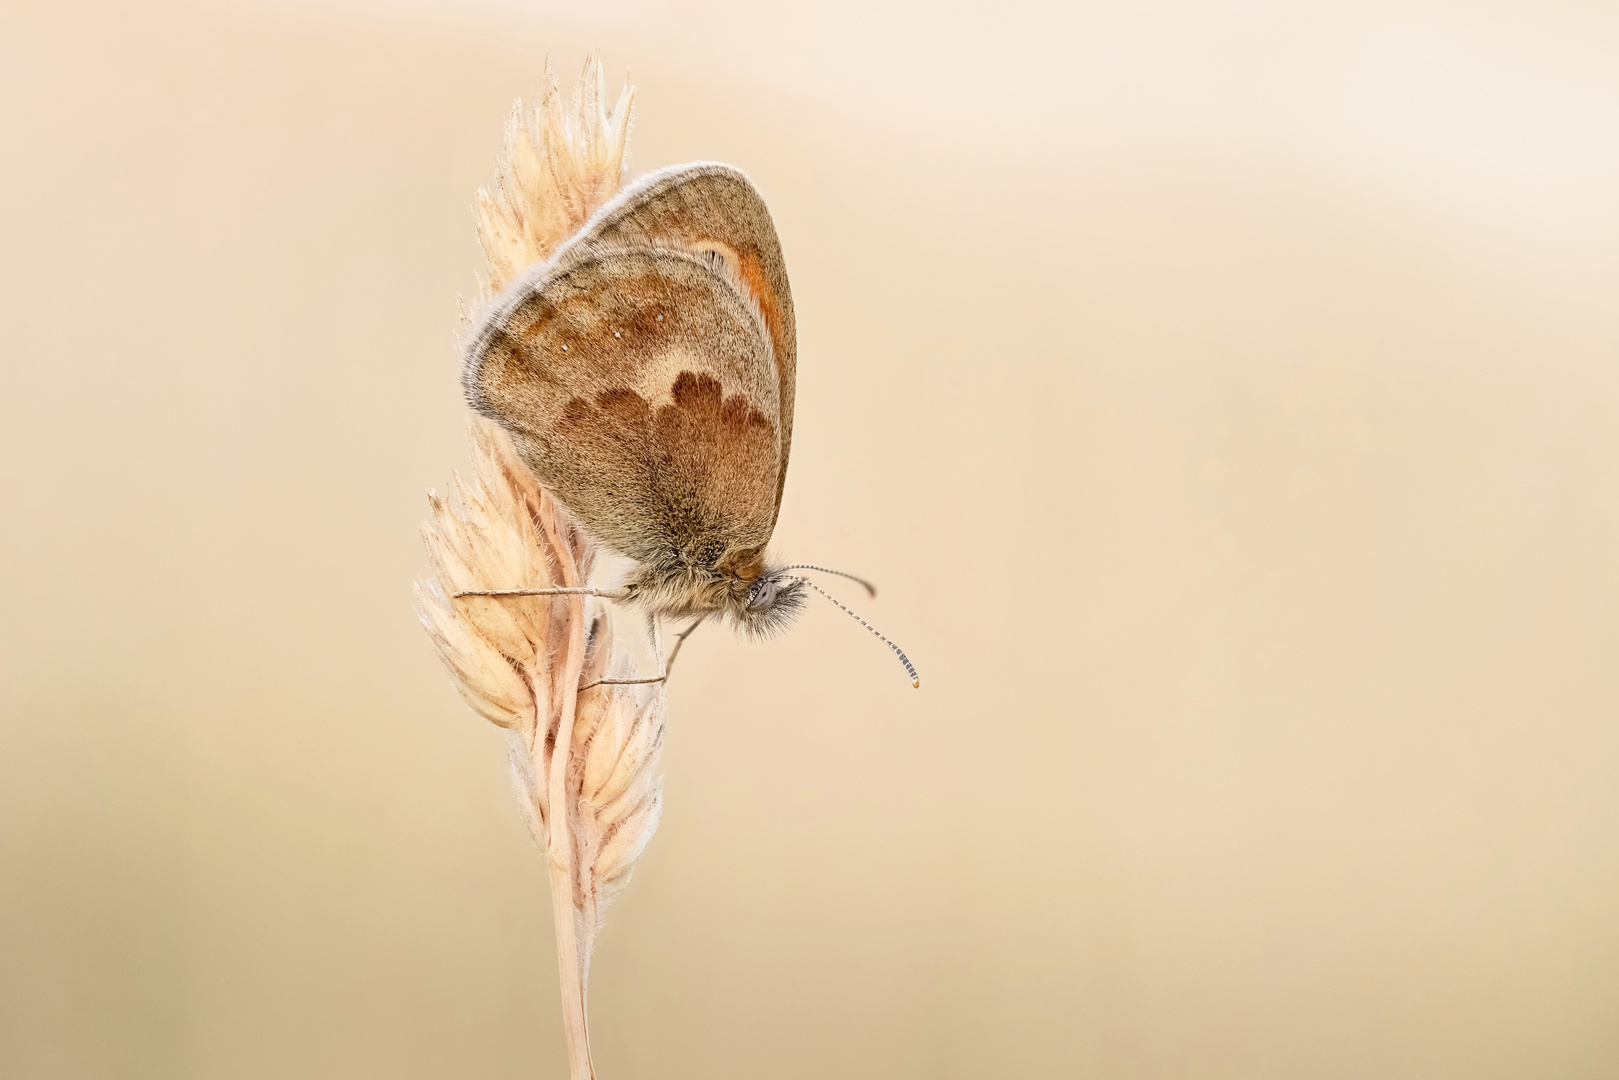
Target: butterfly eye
762,595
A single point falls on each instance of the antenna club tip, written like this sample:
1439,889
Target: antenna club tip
916,684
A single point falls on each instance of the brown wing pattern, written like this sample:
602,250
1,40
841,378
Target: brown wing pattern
709,207
639,386
646,372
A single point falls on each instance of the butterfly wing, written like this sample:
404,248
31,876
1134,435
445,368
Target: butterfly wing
645,372
712,209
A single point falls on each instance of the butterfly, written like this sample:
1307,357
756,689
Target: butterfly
645,373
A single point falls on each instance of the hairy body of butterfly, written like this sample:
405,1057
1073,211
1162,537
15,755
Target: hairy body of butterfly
645,373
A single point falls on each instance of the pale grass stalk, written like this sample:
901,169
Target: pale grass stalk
520,661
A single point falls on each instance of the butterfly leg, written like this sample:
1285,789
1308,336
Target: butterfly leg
680,639
605,594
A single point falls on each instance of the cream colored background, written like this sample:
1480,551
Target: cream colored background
1224,393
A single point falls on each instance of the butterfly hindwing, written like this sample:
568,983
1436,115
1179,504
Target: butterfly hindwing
645,372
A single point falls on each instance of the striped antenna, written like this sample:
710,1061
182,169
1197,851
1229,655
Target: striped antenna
910,669
870,588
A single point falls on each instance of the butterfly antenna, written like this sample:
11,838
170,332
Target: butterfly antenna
870,588
910,668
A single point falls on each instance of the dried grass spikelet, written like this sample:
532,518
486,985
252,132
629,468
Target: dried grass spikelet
528,664
561,164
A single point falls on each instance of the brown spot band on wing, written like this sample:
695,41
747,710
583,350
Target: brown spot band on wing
697,460
714,448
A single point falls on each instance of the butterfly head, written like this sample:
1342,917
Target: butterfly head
770,603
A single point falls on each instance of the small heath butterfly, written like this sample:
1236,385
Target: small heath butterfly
645,373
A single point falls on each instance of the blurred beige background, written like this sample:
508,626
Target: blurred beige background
1224,393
